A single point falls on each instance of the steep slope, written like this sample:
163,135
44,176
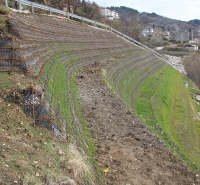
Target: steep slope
53,49
158,95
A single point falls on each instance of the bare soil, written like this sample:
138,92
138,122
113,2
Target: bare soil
30,154
128,150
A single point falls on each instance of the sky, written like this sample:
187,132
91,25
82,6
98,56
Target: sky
183,10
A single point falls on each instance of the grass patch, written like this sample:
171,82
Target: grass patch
4,10
3,18
61,91
164,104
167,104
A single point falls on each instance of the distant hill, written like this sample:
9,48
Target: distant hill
195,22
124,11
157,21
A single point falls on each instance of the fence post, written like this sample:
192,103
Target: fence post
20,5
50,11
6,3
32,7
12,54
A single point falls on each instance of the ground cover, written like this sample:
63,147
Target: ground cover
170,102
61,92
128,152
33,155
55,57
158,95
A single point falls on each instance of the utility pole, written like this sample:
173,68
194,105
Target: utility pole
192,35
181,38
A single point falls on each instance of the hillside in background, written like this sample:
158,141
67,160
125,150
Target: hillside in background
154,20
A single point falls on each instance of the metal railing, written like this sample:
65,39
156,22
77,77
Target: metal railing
83,19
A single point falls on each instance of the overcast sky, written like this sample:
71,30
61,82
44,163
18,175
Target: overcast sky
184,10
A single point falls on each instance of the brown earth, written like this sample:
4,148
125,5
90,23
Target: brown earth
127,149
31,155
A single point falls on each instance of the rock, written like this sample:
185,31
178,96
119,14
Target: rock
15,182
60,152
186,84
21,164
67,180
198,97
35,162
7,137
29,133
37,174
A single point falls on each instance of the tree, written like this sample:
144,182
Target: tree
192,66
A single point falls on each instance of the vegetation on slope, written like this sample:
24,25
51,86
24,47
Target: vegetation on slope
61,89
3,18
165,104
32,155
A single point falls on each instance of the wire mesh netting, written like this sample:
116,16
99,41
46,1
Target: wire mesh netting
10,59
40,110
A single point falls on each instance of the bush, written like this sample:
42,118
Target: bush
3,10
3,19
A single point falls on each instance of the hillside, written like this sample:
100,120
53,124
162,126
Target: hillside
88,87
154,20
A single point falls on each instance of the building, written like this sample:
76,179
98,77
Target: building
192,47
147,32
181,36
166,34
109,13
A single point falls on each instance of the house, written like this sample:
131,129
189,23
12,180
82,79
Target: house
166,34
147,32
192,47
109,13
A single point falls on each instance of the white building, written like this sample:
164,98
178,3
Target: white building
109,13
192,47
147,31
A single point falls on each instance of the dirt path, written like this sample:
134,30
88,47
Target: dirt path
125,144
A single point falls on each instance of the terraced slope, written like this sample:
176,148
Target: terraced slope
54,49
156,92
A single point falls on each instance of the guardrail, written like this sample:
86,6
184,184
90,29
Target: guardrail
82,19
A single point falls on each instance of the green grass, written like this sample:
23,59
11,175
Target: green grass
3,18
176,53
61,89
3,10
165,105
165,102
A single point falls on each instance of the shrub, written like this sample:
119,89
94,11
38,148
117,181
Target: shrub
3,10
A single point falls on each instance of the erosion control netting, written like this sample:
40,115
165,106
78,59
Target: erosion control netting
38,108
52,49
44,43
10,59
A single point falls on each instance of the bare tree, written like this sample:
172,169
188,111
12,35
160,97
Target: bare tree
192,66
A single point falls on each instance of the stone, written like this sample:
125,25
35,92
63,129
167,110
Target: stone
60,152
21,164
198,97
